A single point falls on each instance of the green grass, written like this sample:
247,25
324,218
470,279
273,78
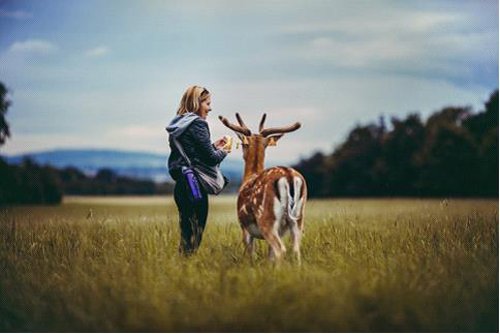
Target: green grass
368,265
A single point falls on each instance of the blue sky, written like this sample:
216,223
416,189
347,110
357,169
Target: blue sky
110,74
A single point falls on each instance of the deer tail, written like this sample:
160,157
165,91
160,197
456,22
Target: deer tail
291,196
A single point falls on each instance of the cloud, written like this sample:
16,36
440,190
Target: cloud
16,14
33,46
99,51
450,55
421,43
374,23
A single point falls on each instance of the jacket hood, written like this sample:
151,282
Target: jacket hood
180,123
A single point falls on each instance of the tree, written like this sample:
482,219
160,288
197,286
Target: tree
350,167
4,105
448,158
484,128
482,122
106,175
395,170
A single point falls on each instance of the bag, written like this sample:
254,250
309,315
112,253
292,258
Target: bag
194,187
210,177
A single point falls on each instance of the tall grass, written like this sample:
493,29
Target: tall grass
368,265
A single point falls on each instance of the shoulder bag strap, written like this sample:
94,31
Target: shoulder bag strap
181,151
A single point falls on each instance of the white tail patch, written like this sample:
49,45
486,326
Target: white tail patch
295,205
280,205
288,204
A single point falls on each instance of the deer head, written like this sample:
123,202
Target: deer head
254,145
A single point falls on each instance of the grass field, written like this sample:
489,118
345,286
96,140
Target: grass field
368,265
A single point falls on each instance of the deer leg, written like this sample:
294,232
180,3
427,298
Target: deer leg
271,234
272,253
276,247
248,241
296,235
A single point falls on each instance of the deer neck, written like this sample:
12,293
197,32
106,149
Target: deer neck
254,164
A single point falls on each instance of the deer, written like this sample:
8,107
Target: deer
271,202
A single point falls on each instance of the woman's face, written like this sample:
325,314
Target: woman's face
205,107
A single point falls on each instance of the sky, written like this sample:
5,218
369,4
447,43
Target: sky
110,74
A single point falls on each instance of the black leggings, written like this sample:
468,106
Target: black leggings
192,217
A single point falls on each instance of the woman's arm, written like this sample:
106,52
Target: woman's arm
204,149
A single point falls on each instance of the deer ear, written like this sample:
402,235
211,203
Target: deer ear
272,140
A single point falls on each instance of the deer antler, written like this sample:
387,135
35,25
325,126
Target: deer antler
240,120
261,125
284,129
241,129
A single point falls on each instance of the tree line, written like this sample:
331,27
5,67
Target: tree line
30,183
454,153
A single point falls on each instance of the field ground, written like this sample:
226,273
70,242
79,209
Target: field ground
111,264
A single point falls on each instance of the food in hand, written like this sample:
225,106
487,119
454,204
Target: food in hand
229,143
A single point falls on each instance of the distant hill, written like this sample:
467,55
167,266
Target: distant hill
127,163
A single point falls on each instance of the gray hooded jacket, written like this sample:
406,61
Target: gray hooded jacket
192,132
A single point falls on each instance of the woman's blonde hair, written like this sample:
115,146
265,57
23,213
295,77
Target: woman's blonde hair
192,98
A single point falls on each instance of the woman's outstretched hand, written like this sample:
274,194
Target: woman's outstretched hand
225,143
220,143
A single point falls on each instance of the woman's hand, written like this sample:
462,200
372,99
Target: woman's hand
219,144
225,144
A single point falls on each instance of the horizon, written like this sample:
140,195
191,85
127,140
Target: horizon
163,155
110,75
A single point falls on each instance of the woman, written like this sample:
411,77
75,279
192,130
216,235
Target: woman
190,129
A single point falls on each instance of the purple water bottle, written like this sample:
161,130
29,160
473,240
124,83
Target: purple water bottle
193,183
